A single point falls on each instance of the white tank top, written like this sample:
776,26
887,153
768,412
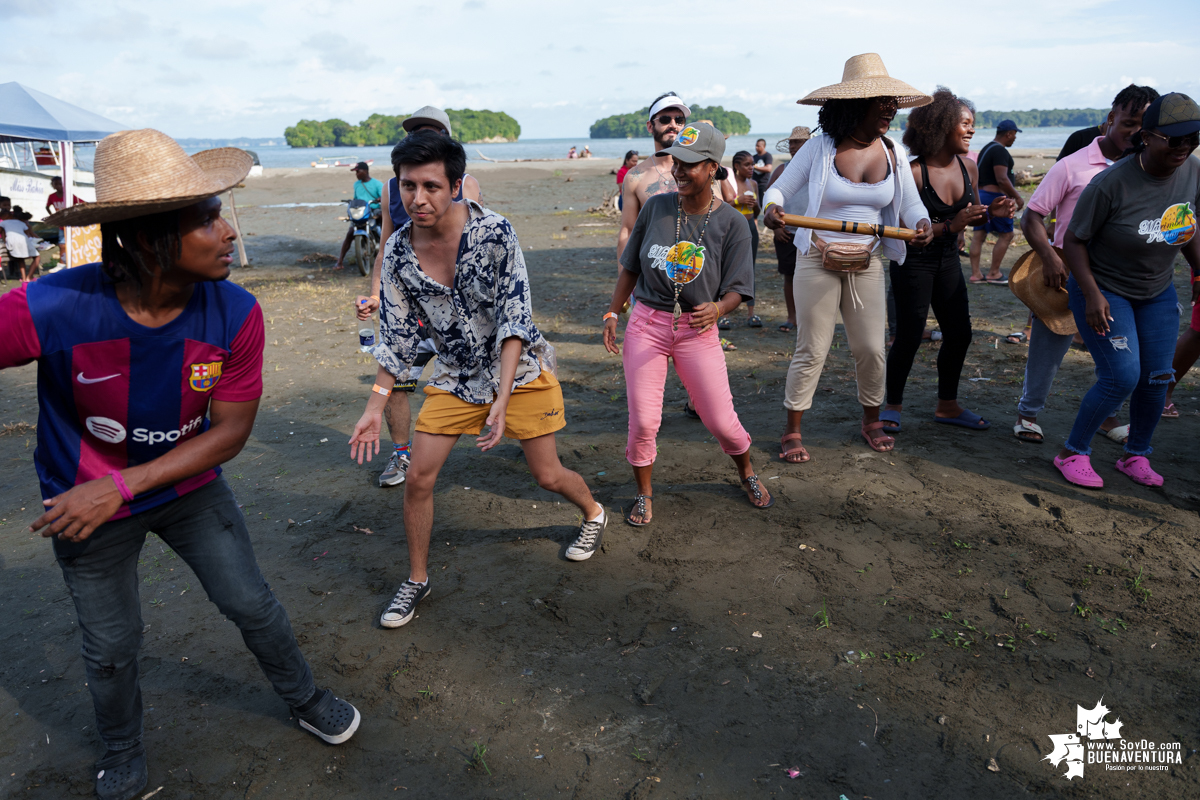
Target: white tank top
855,202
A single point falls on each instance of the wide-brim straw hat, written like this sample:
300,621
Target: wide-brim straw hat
800,133
146,172
1048,305
866,76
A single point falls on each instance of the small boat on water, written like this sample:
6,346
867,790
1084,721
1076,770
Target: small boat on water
326,162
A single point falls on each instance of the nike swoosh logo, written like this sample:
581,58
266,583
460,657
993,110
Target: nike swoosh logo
82,379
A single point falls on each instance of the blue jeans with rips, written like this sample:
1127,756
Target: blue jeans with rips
1132,360
206,529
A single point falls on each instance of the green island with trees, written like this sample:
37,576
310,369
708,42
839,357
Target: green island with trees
1035,118
633,126
382,129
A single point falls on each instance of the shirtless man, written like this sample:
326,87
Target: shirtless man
668,114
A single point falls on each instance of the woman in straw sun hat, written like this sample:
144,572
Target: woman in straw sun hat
149,377
852,171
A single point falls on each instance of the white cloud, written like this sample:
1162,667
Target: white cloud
253,67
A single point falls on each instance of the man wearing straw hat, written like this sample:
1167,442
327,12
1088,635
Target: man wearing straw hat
149,377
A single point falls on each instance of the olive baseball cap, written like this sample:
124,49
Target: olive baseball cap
697,142
428,115
1173,114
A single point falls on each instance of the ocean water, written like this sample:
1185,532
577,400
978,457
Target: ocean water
1048,139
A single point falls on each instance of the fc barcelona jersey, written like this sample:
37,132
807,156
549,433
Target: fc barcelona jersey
113,393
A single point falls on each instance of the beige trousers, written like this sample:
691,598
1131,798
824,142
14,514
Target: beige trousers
820,295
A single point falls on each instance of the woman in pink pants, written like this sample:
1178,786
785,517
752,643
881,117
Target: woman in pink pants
688,263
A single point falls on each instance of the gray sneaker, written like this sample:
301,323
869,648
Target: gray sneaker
588,541
393,474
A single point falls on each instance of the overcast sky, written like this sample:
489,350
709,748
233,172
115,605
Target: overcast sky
227,68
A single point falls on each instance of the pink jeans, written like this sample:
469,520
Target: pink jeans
700,364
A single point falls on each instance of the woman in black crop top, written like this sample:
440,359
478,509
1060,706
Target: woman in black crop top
938,134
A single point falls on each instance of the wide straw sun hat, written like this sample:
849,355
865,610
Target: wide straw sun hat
800,133
866,76
1048,305
147,172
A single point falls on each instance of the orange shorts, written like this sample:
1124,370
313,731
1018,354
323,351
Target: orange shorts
534,409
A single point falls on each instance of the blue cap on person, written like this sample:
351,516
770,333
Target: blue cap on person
1007,125
1173,114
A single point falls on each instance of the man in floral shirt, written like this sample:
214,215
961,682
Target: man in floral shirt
457,269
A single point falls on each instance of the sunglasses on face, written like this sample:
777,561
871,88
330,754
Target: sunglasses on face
667,119
1192,140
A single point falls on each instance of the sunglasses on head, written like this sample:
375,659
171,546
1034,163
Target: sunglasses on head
1192,140
667,119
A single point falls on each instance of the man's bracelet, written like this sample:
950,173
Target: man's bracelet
122,488
381,390
608,316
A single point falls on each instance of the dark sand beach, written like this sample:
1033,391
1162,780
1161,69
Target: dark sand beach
912,624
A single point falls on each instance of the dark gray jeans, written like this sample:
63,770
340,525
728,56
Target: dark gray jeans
206,529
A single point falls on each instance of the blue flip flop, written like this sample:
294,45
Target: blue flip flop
967,419
893,420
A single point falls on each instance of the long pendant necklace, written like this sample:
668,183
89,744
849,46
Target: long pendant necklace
679,220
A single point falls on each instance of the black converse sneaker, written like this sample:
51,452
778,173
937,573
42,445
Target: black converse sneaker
329,718
591,533
404,604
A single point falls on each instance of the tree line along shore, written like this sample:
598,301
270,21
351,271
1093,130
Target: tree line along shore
472,126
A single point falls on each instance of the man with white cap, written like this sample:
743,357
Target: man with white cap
397,412
149,378
651,177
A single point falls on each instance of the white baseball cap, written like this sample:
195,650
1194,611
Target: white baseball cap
669,101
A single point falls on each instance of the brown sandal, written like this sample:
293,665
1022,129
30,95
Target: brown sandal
756,488
783,453
877,444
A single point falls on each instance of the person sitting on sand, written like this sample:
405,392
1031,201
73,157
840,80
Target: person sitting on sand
996,178
133,357
397,412
850,172
1057,194
740,190
458,269
587,153
365,188
572,154
1131,222
688,259
938,134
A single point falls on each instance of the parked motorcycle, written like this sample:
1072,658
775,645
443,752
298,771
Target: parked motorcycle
367,230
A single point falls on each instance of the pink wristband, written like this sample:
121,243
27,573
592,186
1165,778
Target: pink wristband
126,495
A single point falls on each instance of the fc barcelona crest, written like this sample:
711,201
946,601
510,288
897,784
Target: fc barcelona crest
204,376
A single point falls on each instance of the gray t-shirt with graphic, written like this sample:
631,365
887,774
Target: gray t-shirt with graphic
721,264
1135,224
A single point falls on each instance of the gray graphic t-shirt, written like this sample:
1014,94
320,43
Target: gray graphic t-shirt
707,270
1135,225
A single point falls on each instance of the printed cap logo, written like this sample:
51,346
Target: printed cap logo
688,136
105,429
205,376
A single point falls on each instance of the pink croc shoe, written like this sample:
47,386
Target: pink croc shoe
1138,468
1078,470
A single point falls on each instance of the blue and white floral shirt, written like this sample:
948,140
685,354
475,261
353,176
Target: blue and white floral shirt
489,302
